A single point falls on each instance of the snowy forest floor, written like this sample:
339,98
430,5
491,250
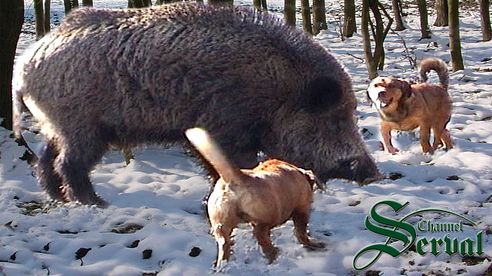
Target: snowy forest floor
155,223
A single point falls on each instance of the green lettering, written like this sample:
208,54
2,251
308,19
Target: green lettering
451,246
434,246
466,247
420,244
384,228
479,243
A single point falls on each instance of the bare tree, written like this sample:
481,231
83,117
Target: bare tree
379,32
11,20
424,20
70,4
454,35
87,3
485,20
74,3
264,5
139,3
47,18
257,4
319,16
397,14
260,5
442,13
349,26
39,14
290,12
306,16
221,2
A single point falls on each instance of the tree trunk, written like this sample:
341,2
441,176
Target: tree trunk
264,5
138,3
379,35
290,12
306,16
11,20
319,16
75,3
454,35
68,6
47,17
257,4
370,62
379,32
442,13
39,14
221,2
485,20
397,14
87,3
349,26
424,25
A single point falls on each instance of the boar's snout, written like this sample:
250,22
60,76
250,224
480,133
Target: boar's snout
361,169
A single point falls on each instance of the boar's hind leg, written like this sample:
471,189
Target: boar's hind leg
48,178
74,163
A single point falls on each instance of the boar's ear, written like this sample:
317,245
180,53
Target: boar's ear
321,94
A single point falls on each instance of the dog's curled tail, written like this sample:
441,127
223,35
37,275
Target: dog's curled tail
437,65
200,139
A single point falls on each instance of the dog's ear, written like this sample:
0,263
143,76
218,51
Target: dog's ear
313,179
406,89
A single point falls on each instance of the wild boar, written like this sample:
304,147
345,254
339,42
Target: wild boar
129,77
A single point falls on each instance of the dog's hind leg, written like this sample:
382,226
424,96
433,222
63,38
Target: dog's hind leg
301,219
262,235
446,139
438,131
222,234
424,139
48,178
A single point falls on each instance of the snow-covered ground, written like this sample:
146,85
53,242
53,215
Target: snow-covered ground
155,223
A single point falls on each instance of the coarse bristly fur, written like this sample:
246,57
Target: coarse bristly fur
130,77
265,197
405,106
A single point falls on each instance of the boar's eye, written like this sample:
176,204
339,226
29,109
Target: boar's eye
321,94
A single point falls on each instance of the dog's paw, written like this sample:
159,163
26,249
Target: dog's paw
393,150
315,245
271,254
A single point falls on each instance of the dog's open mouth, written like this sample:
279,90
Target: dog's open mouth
384,103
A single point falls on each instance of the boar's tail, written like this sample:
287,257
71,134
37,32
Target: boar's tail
211,151
18,107
437,65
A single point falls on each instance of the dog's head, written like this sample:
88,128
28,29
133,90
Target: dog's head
388,94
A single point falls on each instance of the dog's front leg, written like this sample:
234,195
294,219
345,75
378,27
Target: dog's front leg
424,139
386,133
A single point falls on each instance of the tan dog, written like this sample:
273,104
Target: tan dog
405,106
265,197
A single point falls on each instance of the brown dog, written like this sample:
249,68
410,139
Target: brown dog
405,106
265,197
